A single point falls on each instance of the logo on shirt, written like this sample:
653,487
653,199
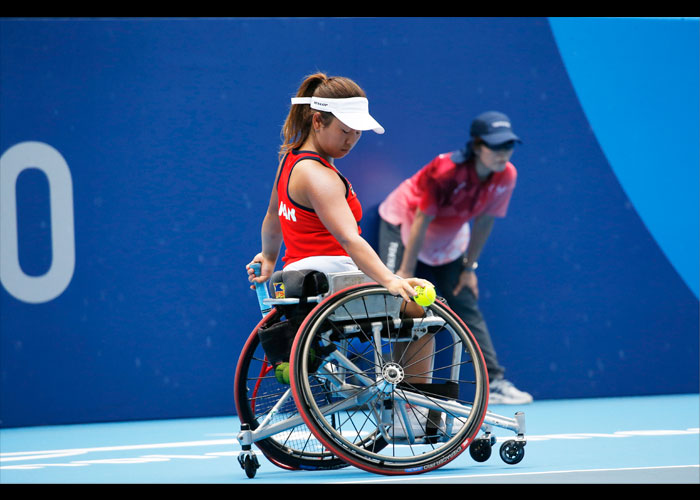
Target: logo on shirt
461,185
499,189
287,213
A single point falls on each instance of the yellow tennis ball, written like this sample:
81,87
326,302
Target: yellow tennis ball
282,373
426,295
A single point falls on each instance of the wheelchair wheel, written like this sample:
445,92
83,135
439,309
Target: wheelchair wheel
257,392
399,408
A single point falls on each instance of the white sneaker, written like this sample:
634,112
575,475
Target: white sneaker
503,392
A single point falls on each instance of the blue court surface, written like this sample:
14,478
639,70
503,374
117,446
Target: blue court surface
634,440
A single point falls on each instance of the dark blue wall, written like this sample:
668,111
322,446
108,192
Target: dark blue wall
169,131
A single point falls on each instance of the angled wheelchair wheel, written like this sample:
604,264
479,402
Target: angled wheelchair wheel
408,394
263,401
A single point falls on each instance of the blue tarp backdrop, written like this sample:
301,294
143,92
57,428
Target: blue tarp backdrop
138,156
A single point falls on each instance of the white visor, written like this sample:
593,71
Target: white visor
352,111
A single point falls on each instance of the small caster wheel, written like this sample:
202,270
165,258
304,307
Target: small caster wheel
480,449
249,463
251,466
512,451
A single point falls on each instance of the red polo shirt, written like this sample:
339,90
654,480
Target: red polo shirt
453,194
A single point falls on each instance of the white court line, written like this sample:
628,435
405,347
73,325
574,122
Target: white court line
33,455
7,457
514,474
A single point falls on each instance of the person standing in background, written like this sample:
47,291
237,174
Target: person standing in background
443,215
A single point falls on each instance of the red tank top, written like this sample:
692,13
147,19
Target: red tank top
303,232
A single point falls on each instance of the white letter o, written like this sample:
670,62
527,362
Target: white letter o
37,289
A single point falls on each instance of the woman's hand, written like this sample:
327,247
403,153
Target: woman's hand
406,287
267,267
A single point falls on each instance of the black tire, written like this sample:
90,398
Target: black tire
250,466
512,452
480,450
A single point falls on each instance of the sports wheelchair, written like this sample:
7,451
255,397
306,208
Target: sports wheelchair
368,385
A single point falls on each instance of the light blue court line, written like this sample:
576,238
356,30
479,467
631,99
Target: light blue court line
630,440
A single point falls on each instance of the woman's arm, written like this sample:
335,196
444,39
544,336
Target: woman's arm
322,189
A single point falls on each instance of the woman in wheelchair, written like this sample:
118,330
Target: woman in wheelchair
366,361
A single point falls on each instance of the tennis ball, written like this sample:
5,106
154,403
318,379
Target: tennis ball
282,369
426,295
282,373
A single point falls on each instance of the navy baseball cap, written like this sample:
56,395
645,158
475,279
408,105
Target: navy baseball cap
493,128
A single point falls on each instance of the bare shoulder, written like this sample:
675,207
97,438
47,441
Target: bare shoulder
312,183
317,176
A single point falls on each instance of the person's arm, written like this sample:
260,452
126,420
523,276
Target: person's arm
323,189
271,238
480,231
420,224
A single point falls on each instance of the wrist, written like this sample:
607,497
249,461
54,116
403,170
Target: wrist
469,266
391,282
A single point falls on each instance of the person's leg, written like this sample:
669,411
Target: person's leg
466,307
417,359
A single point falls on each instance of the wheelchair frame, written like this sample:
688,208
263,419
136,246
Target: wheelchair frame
347,387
